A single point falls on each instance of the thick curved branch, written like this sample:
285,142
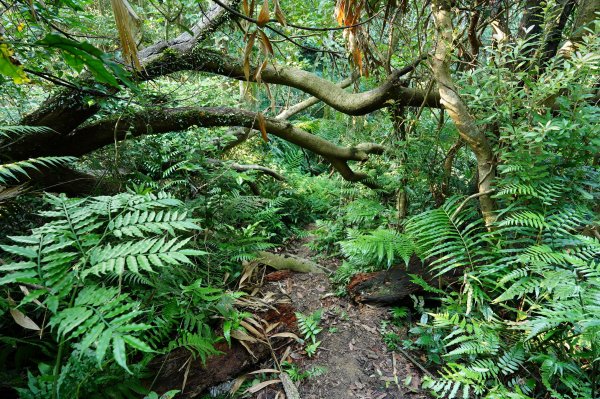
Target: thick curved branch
211,61
240,135
68,108
104,132
309,102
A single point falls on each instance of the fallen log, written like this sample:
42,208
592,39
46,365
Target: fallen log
179,370
386,287
392,286
289,262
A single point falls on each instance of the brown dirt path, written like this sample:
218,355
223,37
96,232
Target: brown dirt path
357,362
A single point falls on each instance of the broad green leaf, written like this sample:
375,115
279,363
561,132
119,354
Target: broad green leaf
119,352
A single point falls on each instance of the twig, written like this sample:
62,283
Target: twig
462,205
415,362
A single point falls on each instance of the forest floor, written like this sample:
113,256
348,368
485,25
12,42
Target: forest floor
356,361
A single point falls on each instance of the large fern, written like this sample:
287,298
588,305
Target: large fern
451,240
83,268
535,265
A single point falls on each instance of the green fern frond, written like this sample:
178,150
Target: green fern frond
199,345
525,218
452,240
21,130
139,255
104,318
363,210
381,246
138,224
16,170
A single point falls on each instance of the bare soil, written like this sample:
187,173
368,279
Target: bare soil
357,362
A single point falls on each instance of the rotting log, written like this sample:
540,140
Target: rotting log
387,287
289,262
179,370
393,286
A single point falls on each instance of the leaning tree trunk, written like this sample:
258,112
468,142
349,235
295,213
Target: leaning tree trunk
458,110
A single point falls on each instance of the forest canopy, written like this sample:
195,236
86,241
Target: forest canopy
159,158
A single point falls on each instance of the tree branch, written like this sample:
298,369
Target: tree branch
68,108
95,135
309,102
208,60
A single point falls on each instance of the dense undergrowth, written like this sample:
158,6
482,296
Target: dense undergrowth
95,287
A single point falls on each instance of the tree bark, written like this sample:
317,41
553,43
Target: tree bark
531,22
458,111
586,14
447,167
390,91
95,135
554,36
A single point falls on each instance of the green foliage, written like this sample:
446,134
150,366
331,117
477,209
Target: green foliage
528,284
89,269
109,282
79,54
309,328
398,313
523,322
381,247
297,375
13,172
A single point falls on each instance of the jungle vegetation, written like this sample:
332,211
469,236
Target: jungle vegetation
149,148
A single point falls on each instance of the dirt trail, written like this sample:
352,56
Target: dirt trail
357,362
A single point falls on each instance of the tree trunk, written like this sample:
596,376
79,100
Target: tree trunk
458,111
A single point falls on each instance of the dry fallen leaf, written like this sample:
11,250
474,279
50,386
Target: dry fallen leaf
262,385
23,320
286,335
265,371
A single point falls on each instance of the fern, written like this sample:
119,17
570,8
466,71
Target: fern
452,241
22,130
309,325
104,318
199,345
381,246
78,263
16,170
536,257
139,255
362,211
